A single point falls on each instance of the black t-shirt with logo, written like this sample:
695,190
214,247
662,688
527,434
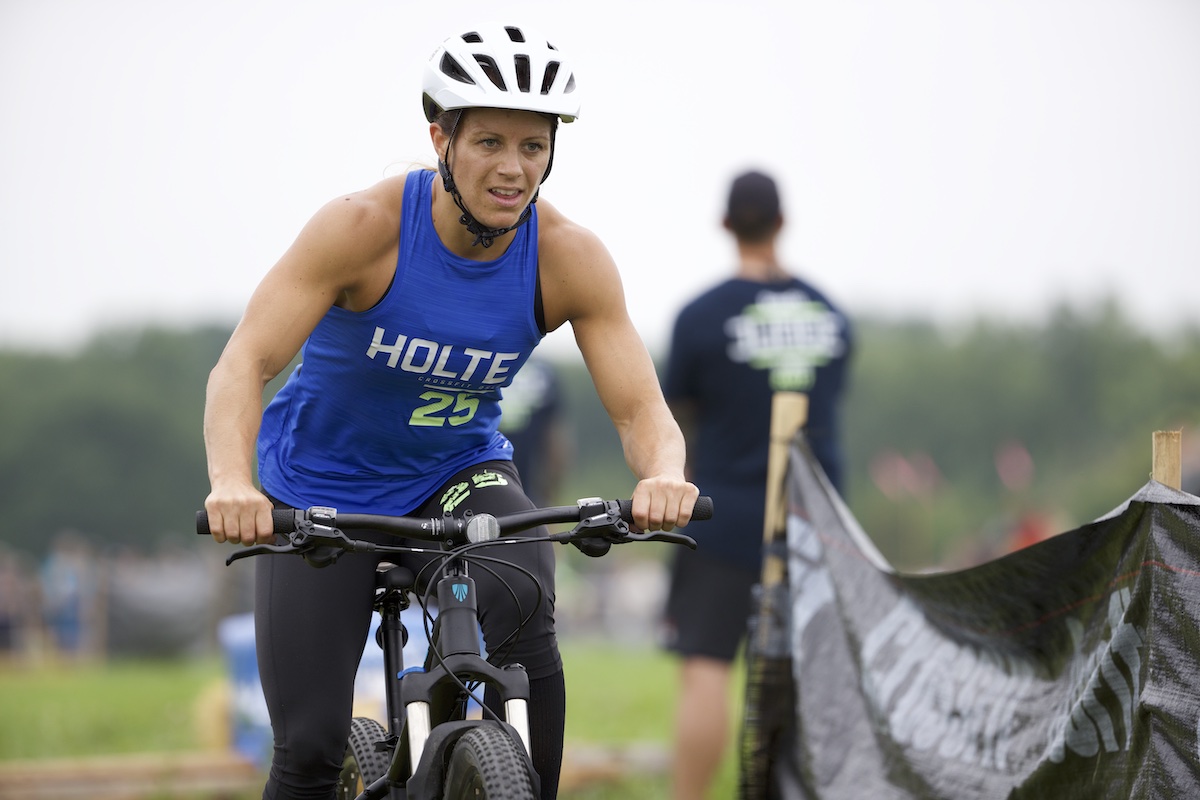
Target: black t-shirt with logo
732,348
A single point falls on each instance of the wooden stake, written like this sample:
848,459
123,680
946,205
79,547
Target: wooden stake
789,410
1167,468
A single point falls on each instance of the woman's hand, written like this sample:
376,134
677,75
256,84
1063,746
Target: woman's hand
663,502
240,514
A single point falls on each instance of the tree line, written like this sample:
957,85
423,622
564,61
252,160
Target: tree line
1000,420
951,434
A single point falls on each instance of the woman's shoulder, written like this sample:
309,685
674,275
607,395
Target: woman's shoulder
578,275
383,199
561,237
368,215
353,230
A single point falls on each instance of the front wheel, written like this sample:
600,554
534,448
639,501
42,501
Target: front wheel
488,764
364,764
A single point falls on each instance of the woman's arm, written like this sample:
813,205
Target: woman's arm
581,285
340,257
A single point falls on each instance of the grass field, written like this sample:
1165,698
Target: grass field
620,698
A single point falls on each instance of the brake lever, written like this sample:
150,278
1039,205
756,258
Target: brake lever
659,536
617,531
320,545
259,549
612,529
608,525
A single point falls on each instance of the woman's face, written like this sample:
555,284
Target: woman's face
498,159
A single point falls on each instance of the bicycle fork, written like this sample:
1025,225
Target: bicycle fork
457,642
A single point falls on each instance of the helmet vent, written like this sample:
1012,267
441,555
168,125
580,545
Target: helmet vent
472,38
491,70
522,64
452,68
548,78
515,34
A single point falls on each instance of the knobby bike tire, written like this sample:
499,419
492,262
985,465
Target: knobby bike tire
363,764
488,765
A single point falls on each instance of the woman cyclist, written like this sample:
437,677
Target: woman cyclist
415,302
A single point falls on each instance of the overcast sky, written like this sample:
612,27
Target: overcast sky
937,158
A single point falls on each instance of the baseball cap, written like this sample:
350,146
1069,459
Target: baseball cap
753,204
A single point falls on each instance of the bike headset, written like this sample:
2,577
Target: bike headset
495,66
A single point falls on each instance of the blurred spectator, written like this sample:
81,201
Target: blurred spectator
761,331
1031,527
16,603
67,589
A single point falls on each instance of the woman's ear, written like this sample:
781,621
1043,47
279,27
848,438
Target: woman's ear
438,137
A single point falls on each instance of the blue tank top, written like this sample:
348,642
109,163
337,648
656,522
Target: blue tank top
387,404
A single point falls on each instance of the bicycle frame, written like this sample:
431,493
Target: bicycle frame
424,707
424,704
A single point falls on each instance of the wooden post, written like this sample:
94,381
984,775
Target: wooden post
768,707
1167,468
789,410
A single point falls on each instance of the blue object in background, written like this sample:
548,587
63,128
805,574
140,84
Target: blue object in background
250,723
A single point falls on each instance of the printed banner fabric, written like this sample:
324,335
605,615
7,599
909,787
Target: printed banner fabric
1069,669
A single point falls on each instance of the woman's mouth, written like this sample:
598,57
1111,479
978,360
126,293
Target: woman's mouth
509,198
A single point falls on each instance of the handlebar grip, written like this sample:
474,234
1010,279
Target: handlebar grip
283,520
701,511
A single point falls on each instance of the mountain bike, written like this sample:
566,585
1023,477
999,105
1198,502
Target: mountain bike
431,748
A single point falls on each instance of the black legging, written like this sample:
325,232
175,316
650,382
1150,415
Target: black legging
312,624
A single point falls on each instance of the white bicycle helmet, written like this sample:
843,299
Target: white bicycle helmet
500,66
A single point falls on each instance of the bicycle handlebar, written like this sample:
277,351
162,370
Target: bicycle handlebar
598,524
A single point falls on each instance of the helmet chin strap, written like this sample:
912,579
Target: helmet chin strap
483,235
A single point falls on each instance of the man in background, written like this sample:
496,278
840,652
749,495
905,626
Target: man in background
761,331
